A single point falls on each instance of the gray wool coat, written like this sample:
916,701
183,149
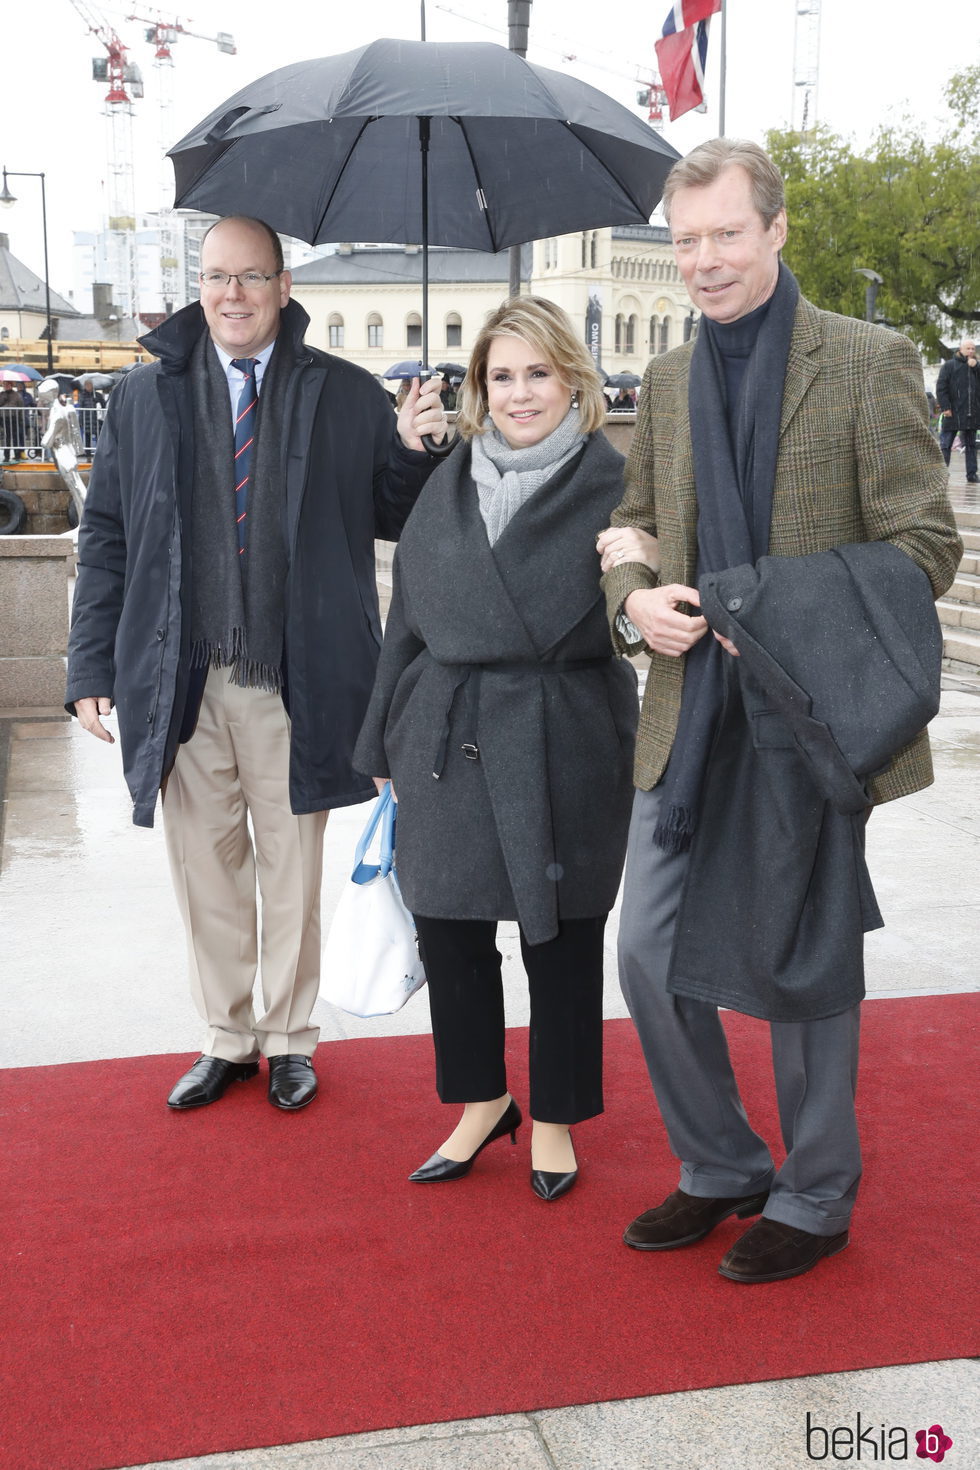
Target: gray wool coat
506,649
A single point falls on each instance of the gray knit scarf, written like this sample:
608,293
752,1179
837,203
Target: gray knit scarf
506,478
237,602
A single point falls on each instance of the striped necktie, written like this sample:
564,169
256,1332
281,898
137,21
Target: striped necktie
244,441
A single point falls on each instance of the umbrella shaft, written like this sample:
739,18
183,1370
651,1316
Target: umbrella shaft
424,126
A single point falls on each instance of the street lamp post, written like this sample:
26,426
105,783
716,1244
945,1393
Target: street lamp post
871,293
7,199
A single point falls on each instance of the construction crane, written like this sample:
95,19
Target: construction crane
806,68
162,33
654,99
125,86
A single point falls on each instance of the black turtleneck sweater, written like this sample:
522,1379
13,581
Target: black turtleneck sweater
735,341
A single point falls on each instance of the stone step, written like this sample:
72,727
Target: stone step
961,646
967,520
971,563
970,539
959,614
965,588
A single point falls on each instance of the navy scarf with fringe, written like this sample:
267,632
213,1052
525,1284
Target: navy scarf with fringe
735,447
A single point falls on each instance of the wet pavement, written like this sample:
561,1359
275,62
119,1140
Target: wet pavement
93,967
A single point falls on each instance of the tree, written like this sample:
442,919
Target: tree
903,208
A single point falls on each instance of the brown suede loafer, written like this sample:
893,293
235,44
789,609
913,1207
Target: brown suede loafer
772,1251
683,1219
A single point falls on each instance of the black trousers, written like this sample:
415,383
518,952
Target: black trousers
466,1002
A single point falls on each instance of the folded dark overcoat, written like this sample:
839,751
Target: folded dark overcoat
505,650
839,667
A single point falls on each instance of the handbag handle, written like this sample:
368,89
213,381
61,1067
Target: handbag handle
383,812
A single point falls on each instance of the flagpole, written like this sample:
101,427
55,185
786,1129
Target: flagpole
724,45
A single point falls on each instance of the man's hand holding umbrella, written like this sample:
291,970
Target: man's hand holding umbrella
422,413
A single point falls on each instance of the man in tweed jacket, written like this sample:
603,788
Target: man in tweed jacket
854,461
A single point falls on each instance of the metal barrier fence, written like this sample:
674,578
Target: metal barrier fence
22,429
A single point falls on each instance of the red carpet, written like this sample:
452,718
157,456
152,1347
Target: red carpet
179,1284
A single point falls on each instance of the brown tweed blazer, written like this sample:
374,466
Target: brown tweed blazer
856,463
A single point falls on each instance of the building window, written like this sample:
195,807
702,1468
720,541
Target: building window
665,334
689,326
631,336
585,251
454,330
654,324
413,330
619,334
335,330
376,331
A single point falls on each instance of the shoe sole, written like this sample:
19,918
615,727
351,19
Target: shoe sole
782,1275
293,1107
675,1245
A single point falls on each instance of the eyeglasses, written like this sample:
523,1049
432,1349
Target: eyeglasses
244,278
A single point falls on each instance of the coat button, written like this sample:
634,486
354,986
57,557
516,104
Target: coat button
733,604
160,633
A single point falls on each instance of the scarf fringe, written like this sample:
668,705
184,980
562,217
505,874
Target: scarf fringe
674,831
230,652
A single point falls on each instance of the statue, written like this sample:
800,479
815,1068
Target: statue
62,438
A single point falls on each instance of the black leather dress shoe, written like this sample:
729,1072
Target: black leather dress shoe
292,1082
207,1080
683,1219
772,1251
439,1170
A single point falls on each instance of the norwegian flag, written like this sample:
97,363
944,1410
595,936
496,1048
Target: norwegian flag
682,52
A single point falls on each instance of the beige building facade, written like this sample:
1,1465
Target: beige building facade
620,286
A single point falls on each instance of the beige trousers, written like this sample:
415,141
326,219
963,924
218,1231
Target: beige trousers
231,774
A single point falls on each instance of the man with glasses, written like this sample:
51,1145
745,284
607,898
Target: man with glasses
226,606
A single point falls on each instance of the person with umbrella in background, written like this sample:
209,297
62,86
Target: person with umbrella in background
226,604
507,730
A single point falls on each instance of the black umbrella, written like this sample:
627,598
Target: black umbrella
444,143
451,369
410,368
624,380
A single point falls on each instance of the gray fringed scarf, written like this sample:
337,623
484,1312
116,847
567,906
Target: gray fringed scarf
237,612
506,477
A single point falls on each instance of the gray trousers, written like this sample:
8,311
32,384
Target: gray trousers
815,1066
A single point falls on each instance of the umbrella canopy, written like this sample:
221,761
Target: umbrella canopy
409,368
7,375
98,380
330,150
451,369
29,372
624,380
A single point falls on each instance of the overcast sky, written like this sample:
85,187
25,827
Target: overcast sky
878,61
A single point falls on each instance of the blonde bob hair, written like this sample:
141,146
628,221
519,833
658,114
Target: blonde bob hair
549,330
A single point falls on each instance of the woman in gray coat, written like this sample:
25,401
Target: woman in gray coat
507,729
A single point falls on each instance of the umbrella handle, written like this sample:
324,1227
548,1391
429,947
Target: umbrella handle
439,450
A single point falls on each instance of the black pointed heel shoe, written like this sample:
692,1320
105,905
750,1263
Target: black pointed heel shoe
551,1186
437,1169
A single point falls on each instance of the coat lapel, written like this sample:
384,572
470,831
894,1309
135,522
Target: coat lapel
569,510
802,365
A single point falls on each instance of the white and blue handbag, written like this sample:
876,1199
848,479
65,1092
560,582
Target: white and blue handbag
371,960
